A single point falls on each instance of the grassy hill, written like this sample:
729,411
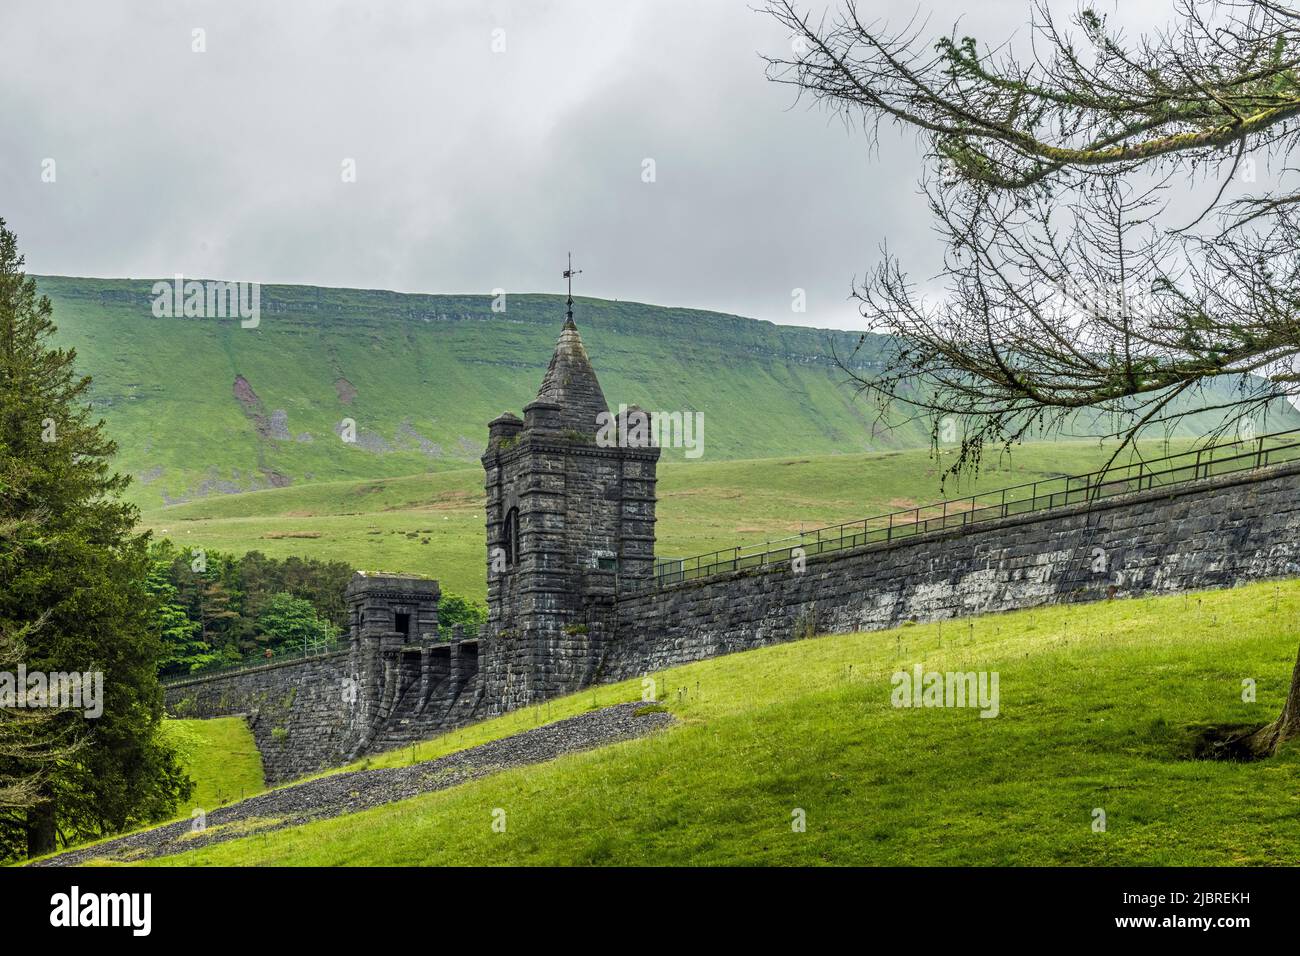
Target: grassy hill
433,523
1100,705
221,758
203,407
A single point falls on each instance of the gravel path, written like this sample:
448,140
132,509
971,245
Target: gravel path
362,789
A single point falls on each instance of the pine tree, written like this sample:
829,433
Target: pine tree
73,562
183,651
216,615
31,743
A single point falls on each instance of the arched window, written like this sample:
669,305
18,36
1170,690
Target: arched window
510,537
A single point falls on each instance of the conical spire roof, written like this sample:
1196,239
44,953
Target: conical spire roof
570,382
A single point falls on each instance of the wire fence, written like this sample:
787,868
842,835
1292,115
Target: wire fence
1041,495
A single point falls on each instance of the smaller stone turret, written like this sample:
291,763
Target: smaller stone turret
387,614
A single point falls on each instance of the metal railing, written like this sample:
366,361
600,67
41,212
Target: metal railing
297,654
1167,471
446,634
468,632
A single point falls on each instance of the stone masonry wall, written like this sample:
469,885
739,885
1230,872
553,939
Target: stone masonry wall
1214,533
298,711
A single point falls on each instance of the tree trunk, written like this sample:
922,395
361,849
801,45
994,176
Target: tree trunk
1266,741
40,829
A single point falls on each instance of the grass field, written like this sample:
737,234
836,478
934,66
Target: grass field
1099,705
434,523
220,756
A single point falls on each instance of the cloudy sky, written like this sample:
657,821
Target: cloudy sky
476,167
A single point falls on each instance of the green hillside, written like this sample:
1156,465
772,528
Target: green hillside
1099,708
433,523
203,407
221,758
421,376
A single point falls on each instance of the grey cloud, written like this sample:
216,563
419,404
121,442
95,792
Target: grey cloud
475,170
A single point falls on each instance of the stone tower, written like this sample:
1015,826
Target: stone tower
389,618
570,525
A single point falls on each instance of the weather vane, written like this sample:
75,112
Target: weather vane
569,273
